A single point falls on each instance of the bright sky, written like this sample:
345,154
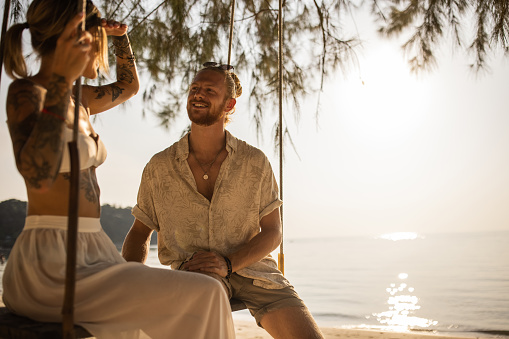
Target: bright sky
398,153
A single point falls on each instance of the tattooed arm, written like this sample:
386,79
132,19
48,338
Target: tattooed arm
102,98
36,123
36,115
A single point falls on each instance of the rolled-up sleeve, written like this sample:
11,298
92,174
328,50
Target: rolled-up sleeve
144,210
269,197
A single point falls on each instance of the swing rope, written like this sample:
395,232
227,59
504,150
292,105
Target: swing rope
281,255
232,16
7,9
72,223
70,281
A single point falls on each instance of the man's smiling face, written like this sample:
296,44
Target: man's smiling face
206,101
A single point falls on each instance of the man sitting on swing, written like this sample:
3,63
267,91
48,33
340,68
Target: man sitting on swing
213,199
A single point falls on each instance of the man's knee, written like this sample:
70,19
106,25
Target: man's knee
291,322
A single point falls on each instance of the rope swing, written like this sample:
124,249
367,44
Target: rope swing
72,223
281,255
68,329
7,9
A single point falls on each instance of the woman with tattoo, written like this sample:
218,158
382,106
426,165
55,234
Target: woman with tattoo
113,298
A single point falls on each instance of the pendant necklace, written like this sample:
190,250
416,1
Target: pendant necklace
205,175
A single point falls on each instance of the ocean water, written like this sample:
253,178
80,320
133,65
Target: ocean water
445,283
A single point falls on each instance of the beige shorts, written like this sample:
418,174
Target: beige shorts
261,301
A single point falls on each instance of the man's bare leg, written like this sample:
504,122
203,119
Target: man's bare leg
291,323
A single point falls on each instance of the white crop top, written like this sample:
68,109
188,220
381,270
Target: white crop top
91,153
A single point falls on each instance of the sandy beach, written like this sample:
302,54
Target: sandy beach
249,330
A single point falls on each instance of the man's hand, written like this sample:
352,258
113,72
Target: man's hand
207,262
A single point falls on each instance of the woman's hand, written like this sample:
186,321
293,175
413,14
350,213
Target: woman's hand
102,98
71,54
113,27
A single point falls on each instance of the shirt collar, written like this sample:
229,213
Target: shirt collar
182,151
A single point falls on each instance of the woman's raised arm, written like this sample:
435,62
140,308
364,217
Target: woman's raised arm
101,98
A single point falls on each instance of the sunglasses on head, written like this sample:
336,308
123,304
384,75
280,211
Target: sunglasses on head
224,67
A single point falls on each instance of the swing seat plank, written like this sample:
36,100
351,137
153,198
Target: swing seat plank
16,327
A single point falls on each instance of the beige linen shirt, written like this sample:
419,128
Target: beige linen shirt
187,222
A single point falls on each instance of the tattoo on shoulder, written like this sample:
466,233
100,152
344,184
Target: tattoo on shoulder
36,137
57,97
27,98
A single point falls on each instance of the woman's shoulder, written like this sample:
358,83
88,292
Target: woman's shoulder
22,83
24,98
22,88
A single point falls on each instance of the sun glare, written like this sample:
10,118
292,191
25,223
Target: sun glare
402,306
396,236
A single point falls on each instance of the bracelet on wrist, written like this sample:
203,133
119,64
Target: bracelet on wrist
228,266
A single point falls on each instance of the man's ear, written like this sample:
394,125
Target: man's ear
230,105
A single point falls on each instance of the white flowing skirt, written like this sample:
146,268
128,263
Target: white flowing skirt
113,298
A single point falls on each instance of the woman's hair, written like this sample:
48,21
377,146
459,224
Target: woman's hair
233,86
46,20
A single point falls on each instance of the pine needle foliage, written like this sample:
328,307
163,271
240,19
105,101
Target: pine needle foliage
172,39
430,21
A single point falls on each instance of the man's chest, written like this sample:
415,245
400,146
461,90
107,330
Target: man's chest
205,175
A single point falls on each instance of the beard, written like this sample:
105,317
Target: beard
210,118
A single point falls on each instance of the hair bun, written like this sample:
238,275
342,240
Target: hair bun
238,86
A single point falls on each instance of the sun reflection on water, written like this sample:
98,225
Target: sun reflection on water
396,236
402,306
